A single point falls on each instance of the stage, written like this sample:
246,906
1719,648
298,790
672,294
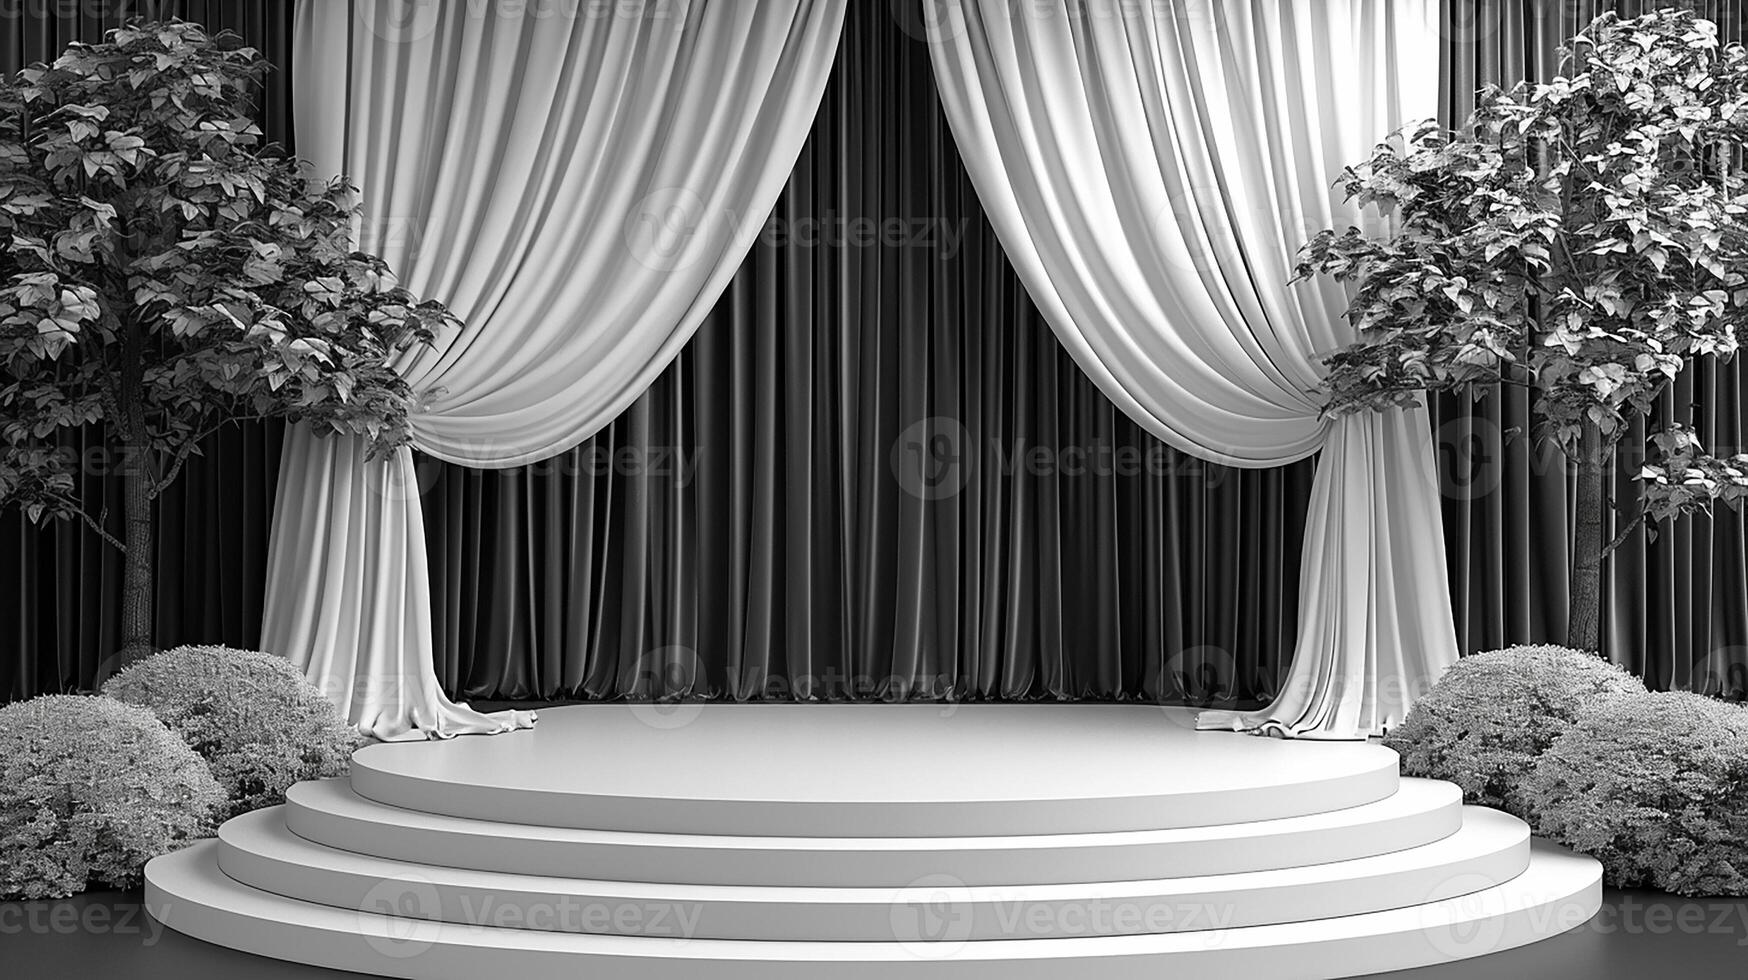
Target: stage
1009,841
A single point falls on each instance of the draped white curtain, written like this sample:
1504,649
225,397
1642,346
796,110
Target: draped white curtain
1151,170
578,182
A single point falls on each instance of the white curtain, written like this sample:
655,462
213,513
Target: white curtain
578,182
1152,169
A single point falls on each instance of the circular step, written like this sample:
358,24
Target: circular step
256,849
847,770
187,892
328,812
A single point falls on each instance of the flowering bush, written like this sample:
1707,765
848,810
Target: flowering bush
253,716
1655,787
91,789
1493,714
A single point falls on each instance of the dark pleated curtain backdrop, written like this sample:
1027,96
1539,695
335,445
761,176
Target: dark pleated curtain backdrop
60,584
1676,606
873,474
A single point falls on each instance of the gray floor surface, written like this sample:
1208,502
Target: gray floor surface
1637,936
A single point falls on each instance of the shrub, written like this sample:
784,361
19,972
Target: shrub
1493,714
258,723
1655,787
91,789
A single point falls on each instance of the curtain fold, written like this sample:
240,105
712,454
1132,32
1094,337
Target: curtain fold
1200,615
576,187
1152,171
873,474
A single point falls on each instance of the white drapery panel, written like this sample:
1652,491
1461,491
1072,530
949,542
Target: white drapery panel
578,182
1151,170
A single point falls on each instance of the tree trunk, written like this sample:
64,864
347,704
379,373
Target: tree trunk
136,580
136,477
1584,624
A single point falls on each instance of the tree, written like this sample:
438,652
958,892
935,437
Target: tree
166,273
1583,239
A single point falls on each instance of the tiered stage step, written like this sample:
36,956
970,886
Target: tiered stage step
329,812
876,841
873,770
1491,848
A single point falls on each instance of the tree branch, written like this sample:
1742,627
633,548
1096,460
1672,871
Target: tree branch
1625,532
163,482
105,535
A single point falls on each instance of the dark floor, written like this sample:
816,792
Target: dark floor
1638,936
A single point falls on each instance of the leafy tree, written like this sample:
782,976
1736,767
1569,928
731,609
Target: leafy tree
166,273
1584,239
